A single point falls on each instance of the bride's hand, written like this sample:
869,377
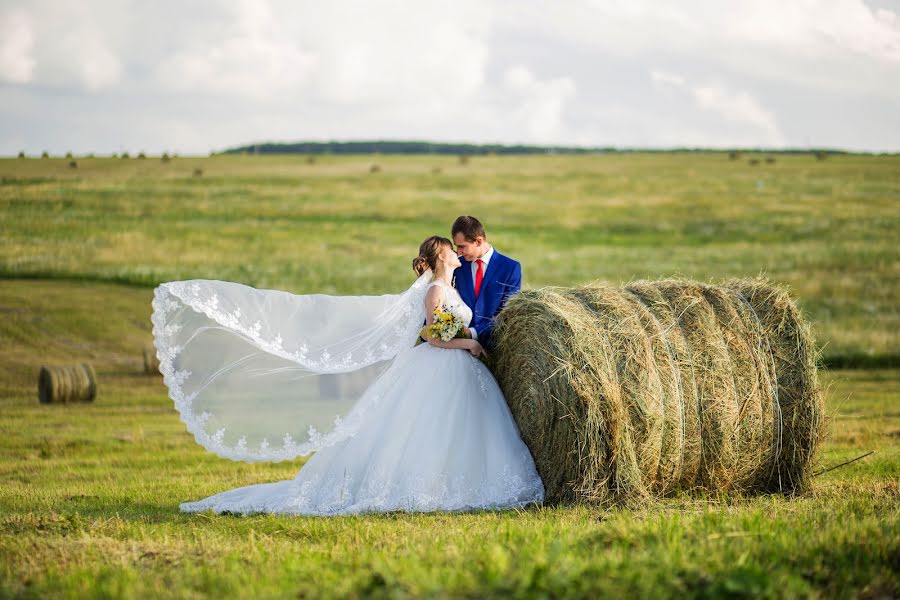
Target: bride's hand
475,348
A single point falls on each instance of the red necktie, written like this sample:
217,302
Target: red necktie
479,275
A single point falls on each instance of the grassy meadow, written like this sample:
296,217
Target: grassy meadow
827,228
89,494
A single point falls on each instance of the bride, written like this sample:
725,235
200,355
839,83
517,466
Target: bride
394,425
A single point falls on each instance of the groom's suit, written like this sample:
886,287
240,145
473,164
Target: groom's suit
502,279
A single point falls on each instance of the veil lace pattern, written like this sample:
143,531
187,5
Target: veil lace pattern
266,375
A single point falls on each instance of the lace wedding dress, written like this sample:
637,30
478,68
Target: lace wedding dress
406,427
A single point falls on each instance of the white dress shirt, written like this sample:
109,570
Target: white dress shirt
484,259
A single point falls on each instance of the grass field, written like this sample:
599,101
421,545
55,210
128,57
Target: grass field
89,495
828,228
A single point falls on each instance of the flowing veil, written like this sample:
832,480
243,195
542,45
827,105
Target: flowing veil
266,375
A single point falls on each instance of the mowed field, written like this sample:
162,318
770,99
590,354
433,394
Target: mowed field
89,494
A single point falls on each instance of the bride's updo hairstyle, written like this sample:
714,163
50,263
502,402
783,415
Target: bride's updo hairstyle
429,253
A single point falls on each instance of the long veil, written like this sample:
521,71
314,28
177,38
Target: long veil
267,375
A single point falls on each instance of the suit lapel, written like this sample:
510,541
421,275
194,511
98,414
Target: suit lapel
464,284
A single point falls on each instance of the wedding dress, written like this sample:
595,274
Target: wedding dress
394,425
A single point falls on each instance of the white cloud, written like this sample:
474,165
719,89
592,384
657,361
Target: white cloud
16,41
61,45
817,28
98,67
426,55
741,107
211,74
252,57
540,104
738,106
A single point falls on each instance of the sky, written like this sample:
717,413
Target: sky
194,77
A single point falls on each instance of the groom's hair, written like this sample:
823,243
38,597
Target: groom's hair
469,226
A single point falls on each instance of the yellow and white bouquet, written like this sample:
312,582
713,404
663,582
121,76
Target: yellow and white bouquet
446,326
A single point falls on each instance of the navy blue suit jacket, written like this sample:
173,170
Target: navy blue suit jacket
502,279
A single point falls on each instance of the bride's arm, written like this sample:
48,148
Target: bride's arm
432,300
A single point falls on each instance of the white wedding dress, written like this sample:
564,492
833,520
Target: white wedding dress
429,430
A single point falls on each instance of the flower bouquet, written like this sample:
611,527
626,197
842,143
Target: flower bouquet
446,326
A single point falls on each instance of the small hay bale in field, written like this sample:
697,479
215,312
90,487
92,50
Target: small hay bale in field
770,160
64,384
151,361
198,172
626,394
753,161
463,159
73,164
375,169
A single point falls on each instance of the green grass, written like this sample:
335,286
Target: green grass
89,494
90,509
827,228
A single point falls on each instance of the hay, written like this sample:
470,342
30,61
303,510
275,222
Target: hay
74,383
626,394
151,361
793,358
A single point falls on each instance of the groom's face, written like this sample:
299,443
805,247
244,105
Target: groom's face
468,249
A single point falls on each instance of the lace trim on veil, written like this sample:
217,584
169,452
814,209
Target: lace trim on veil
173,296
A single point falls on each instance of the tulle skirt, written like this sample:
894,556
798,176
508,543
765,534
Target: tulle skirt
438,436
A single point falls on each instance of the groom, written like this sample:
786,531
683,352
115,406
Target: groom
486,278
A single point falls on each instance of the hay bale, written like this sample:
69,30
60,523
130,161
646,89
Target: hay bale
374,168
799,401
684,395
627,394
151,361
64,384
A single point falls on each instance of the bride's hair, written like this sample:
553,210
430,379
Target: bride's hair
429,253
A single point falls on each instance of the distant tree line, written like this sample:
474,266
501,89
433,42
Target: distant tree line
418,147
410,147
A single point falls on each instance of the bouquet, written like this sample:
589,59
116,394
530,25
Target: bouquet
446,326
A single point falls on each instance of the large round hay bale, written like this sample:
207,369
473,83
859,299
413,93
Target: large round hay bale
151,361
64,384
799,402
624,394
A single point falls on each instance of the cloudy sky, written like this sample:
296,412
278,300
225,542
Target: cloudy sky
108,76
